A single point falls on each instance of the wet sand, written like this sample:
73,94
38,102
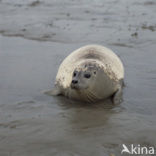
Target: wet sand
35,37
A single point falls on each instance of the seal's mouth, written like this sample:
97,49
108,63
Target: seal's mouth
73,86
77,87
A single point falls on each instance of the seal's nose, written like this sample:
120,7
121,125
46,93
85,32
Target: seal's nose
74,81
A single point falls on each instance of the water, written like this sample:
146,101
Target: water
35,124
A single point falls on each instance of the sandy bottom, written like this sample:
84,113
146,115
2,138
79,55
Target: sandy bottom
34,124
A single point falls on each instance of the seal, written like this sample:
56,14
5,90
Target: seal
90,73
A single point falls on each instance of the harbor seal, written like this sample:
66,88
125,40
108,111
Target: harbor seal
90,73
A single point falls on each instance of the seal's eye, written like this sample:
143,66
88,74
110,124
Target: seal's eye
74,74
87,76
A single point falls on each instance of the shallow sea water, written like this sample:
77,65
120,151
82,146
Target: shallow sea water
34,124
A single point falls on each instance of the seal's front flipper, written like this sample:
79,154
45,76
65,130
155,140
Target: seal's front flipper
54,92
117,97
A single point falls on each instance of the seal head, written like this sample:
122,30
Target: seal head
83,76
85,81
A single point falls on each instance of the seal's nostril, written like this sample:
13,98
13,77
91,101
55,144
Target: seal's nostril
74,81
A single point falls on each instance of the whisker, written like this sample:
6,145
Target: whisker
88,97
93,96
